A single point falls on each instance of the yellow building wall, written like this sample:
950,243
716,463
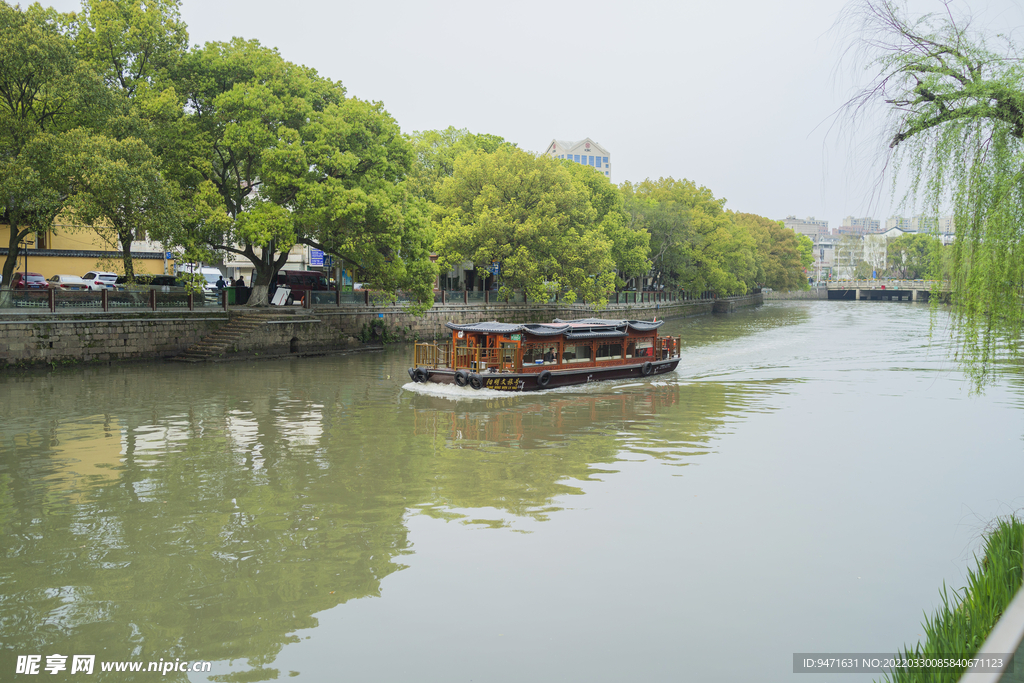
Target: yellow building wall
48,265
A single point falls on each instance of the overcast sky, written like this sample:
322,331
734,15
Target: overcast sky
738,96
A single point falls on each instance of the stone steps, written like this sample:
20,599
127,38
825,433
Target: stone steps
223,339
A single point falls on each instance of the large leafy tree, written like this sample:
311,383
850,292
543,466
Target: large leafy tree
914,256
132,44
437,150
956,128
525,213
120,186
134,47
287,159
694,244
630,242
779,255
45,93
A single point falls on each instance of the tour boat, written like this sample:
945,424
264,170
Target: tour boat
531,356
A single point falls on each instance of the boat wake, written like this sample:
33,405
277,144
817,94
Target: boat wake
456,393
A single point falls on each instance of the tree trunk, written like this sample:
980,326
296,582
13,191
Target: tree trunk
265,270
10,264
126,255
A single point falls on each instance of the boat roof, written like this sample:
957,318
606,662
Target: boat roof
574,329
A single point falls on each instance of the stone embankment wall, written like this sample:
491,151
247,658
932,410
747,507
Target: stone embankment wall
817,293
35,339
40,339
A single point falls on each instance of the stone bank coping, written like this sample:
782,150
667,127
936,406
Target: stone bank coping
81,321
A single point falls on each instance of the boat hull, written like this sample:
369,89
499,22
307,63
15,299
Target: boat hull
529,381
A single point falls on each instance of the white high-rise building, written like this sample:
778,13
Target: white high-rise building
585,151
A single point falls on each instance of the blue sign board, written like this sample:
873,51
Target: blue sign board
169,256
316,257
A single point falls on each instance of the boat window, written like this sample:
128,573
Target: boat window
579,353
644,348
609,350
540,354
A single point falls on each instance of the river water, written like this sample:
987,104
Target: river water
805,482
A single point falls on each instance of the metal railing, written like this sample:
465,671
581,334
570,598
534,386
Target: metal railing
59,300
888,284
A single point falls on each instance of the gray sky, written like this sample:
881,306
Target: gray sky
737,96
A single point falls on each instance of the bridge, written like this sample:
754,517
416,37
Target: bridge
885,290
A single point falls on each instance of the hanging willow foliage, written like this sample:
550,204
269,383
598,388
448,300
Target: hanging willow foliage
954,131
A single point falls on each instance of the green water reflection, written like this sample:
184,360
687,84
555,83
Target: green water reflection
211,512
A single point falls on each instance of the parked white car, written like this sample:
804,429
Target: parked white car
68,282
98,280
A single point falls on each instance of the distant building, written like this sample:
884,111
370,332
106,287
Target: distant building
942,225
824,257
65,250
585,151
897,222
810,226
859,226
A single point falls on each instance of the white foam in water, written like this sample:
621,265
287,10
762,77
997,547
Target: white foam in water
456,393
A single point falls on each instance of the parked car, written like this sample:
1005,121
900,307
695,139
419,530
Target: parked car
98,280
210,275
161,283
302,281
68,282
29,281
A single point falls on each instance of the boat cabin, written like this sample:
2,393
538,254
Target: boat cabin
559,345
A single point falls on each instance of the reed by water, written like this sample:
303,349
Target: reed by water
963,621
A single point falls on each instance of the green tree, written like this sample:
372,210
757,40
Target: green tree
119,183
780,255
694,245
630,243
132,44
45,92
956,128
525,213
436,152
288,159
134,47
914,256
806,249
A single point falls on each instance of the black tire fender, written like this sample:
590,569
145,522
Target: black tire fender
412,374
647,368
419,375
462,377
543,378
476,381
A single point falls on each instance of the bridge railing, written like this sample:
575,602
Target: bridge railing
888,284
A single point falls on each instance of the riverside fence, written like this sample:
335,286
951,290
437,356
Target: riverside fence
57,300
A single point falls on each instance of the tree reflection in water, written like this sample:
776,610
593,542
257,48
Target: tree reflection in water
210,513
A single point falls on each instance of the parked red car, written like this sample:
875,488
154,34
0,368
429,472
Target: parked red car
29,281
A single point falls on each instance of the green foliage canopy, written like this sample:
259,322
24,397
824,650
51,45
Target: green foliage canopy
290,160
46,93
781,256
694,244
527,214
914,256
